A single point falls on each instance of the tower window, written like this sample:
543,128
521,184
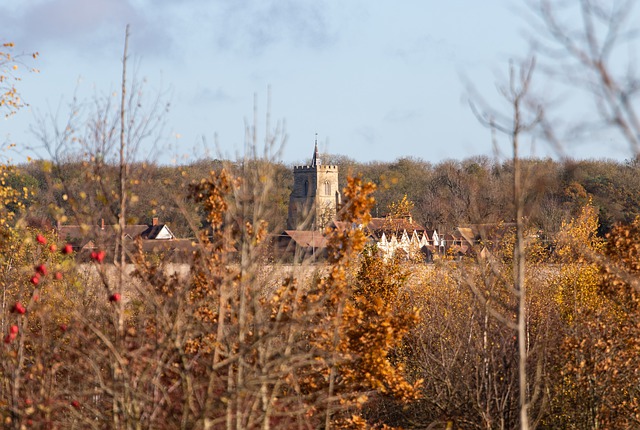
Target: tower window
306,188
327,188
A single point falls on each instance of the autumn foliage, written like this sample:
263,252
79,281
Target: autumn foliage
223,346
356,341
230,337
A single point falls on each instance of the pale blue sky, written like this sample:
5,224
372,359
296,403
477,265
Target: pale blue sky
377,80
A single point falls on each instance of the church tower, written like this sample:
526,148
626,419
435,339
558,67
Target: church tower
315,197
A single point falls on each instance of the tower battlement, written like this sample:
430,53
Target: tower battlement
317,167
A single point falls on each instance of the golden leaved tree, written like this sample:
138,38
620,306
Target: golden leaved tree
596,295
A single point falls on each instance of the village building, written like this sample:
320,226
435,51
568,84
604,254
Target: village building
86,237
315,197
313,205
156,237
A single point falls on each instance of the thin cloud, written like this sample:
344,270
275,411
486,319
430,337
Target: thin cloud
209,95
161,26
254,26
401,115
367,134
62,20
91,27
426,48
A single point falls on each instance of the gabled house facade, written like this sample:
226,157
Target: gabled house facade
156,237
399,236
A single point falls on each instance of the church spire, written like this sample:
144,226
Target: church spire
316,158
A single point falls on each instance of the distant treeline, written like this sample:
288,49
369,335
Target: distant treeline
446,194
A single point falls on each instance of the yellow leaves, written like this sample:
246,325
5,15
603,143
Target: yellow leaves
9,97
579,236
577,290
401,208
601,305
47,166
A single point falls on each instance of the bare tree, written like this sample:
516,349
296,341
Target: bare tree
590,57
122,219
524,116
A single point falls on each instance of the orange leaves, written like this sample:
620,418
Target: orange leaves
374,323
621,272
358,201
356,213
373,329
212,193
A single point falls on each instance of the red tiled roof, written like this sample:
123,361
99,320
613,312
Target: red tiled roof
377,226
79,236
307,239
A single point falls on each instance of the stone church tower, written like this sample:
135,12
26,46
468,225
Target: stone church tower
315,197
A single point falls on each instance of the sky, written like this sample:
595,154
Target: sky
375,80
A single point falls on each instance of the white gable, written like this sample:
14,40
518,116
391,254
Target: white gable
394,241
405,238
165,233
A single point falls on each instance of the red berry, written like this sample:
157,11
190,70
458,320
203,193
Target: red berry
98,256
58,276
68,249
115,297
41,239
53,247
75,404
9,338
35,279
13,329
42,269
18,308
28,402
63,327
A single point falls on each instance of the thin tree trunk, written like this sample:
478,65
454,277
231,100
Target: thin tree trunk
519,266
123,177
119,397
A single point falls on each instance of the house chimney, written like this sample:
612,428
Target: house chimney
102,223
154,221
